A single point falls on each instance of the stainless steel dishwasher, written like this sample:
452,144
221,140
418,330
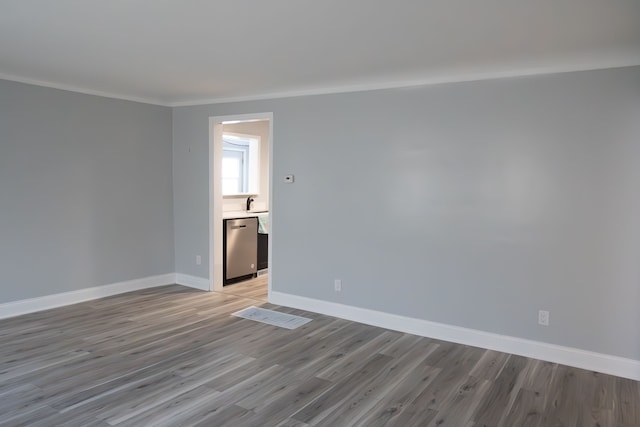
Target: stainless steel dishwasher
241,248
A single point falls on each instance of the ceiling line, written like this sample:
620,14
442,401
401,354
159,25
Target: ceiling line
328,90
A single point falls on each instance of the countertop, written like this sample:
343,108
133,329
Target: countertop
241,214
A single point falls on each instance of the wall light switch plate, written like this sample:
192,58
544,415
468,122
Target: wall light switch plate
288,179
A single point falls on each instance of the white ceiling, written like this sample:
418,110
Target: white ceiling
178,52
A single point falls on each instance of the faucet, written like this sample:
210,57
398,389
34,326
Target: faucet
249,200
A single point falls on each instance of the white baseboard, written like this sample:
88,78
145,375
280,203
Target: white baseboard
608,364
192,281
16,308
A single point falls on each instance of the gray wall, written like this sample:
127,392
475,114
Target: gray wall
473,204
85,191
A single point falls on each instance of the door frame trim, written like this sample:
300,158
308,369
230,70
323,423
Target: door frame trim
216,279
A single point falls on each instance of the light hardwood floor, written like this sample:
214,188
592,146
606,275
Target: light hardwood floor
173,356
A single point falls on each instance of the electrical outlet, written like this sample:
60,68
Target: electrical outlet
337,285
198,260
543,318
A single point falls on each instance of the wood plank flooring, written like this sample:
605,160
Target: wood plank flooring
256,288
173,356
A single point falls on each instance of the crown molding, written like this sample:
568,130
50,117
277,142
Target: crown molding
436,79
76,89
443,78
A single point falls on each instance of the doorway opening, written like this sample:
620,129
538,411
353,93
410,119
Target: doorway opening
240,202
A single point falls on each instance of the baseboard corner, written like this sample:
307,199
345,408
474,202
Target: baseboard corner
192,281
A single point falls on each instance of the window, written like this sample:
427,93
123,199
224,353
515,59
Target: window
240,159
233,172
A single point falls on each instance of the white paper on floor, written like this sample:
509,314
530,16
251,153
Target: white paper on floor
270,317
